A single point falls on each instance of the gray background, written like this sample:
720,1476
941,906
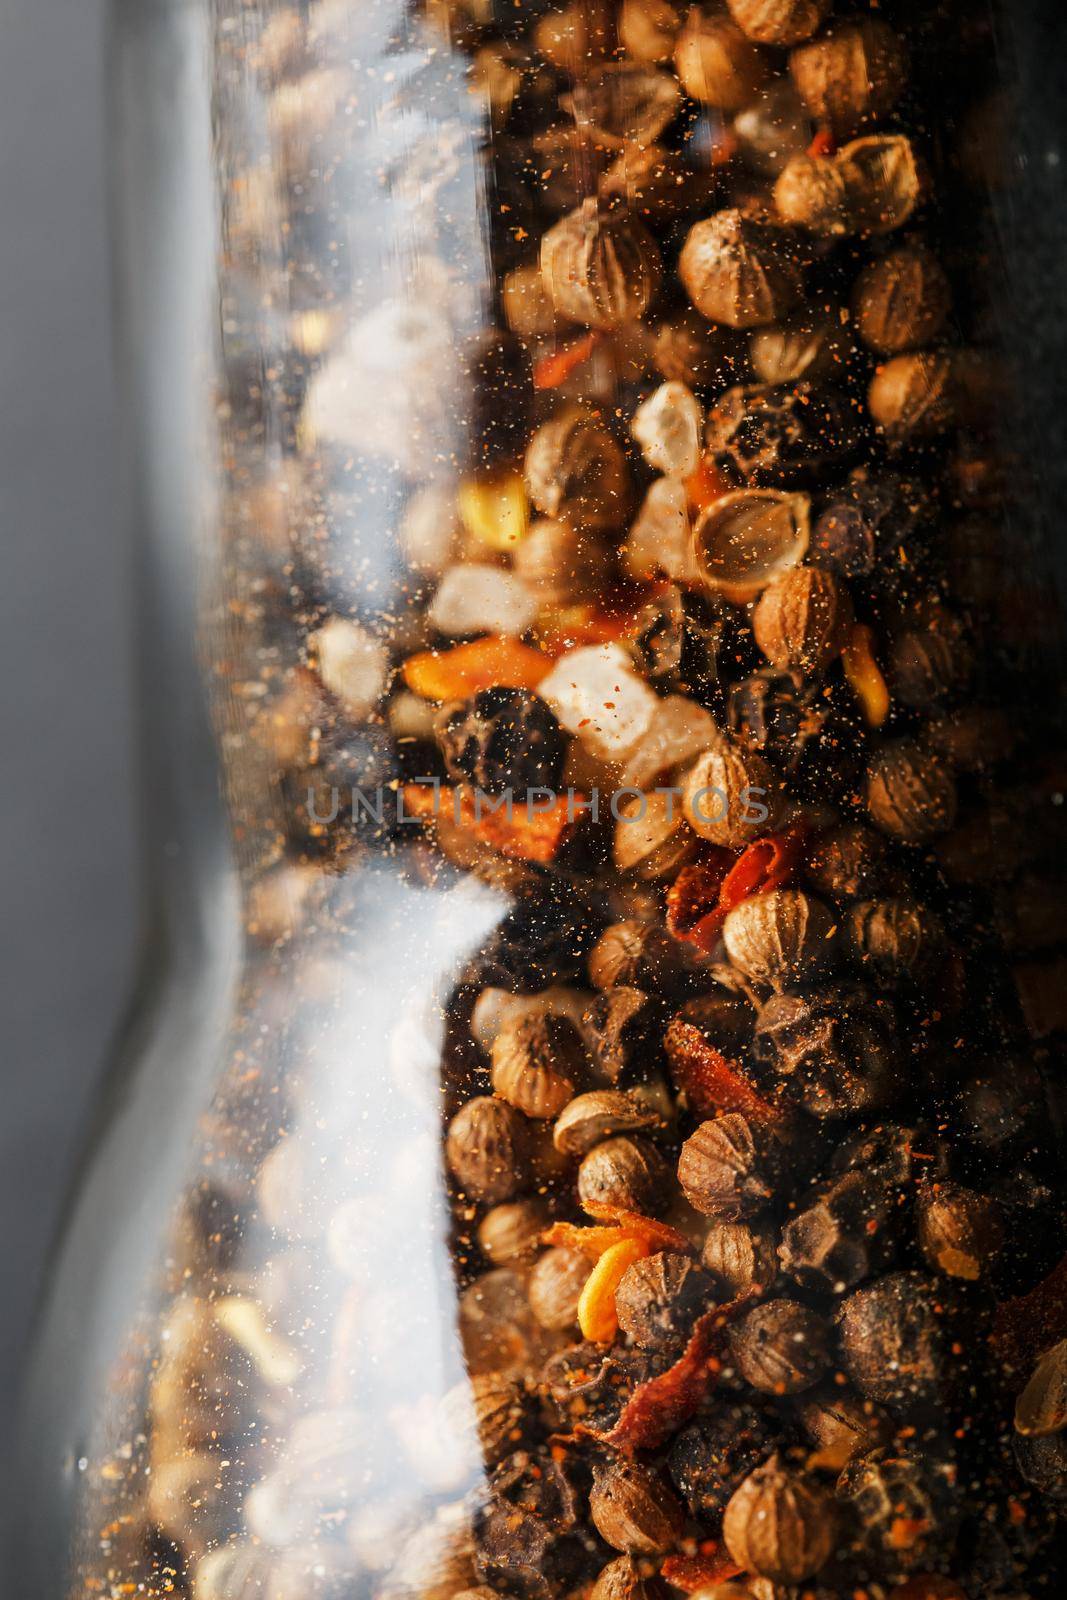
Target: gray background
65,623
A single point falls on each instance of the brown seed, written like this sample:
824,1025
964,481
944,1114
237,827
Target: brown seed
841,1237
741,1255
623,1579
803,621
779,939
685,348
883,182
633,1509
600,266
851,75
510,1233
1041,1409
528,311
596,1116
780,1347
717,64
912,396
740,271
538,1062
577,473
780,1525
728,1168
555,1286
840,1424
847,862
832,1050
901,301
487,1149
639,955
574,38
781,22
911,794
731,796
624,1174
812,192
647,31
624,104
893,939
960,1231
743,541
490,1405
929,659
810,345
652,838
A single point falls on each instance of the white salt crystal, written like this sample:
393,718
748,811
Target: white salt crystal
596,694
477,598
352,664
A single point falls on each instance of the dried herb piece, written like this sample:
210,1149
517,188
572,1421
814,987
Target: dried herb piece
803,620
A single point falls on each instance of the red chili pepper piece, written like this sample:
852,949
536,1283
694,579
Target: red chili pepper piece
709,1081
658,1408
693,899
823,144
551,371
710,1565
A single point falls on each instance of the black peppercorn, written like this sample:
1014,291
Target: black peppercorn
781,1347
842,1237
866,528
904,1508
660,1297
712,1455
624,1030
832,1050
530,1534
781,433
894,1340
777,714
502,739
847,863
586,1382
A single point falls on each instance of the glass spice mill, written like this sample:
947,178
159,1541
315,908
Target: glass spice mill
591,1126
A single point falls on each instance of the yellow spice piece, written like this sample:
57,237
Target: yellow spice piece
865,677
597,1317
495,510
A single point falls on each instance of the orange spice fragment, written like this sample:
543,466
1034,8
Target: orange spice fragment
492,662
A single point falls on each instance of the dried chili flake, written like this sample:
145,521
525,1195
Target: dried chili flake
702,895
658,1407
550,371
693,900
522,832
710,1564
706,485
708,1080
492,662
594,1241
823,144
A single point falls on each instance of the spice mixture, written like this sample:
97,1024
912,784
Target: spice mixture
706,661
